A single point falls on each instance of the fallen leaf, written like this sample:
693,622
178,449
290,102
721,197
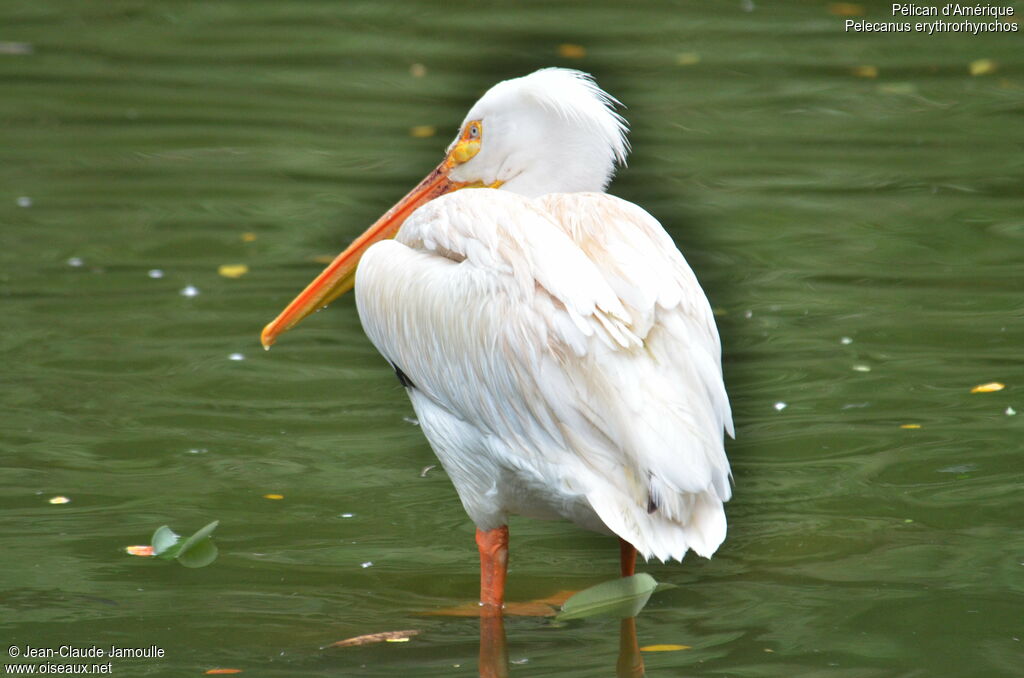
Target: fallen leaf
222,672
865,71
990,387
567,50
667,647
59,500
620,598
983,67
845,9
233,270
422,131
687,59
273,496
385,636
910,426
139,550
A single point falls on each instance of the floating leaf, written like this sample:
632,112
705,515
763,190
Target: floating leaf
384,636
990,387
139,550
666,647
422,131
568,50
910,426
865,71
163,540
273,496
232,270
623,597
222,672
845,9
59,500
983,67
198,550
200,554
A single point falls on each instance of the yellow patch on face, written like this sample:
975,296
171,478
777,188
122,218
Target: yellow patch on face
469,141
464,150
480,184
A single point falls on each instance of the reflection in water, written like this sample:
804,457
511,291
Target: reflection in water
494,649
629,664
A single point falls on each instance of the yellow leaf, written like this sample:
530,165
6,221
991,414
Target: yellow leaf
139,550
233,270
59,500
273,496
865,71
567,50
990,387
845,9
664,648
687,59
910,426
422,131
248,237
983,67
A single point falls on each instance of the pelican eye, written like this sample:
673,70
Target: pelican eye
473,131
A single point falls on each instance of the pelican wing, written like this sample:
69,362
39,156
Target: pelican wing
571,335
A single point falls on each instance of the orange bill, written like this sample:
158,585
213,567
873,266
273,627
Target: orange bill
339,276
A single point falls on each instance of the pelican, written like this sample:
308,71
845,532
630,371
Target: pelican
561,357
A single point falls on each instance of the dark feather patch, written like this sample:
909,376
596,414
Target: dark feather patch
652,505
403,379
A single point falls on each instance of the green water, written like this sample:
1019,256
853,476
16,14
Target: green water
861,237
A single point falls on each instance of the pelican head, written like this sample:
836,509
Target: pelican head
553,131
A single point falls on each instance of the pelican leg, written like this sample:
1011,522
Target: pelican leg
627,558
493,545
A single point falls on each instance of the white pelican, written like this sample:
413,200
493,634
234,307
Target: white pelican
560,354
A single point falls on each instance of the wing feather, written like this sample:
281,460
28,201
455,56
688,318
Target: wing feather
570,333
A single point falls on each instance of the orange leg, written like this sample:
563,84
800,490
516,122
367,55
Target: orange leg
493,545
627,558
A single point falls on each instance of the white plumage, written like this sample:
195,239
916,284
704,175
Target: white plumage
559,352
565,363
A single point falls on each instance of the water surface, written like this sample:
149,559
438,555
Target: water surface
860,238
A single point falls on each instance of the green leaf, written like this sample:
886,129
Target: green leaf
198,550
623,597
164,539
200,554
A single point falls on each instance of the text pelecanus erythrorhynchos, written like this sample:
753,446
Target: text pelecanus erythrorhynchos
561,356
